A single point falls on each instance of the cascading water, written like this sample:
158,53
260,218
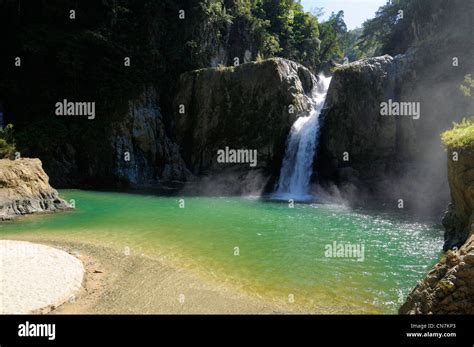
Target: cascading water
301,144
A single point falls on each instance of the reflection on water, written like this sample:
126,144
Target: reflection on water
264,248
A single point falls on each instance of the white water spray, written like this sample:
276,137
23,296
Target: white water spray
296,170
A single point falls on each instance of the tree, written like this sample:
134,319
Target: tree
350,47
272,28
332,33
306,41
396,25
7,143
467,86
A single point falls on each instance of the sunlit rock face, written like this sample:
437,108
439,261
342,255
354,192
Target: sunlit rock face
25,189
449,286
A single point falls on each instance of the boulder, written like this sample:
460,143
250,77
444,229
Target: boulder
448,288
252,106
25,189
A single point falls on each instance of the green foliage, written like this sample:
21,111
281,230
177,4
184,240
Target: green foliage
6,149
377,31
272,28
217,14
7,143
461,136
467,86
395,26
305,43
332,33
83,59
350,46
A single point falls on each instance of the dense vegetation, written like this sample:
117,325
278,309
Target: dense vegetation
461,136
82,58
399,24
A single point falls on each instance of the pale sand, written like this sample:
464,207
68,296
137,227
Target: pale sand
34,277
117,283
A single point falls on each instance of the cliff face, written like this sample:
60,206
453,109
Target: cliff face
459,217
244,107
134,151
251,106
25,189
449,286
153,157
352,125
393,157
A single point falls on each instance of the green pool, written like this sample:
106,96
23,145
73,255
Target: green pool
262,247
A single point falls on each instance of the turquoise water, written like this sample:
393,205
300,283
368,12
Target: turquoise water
281,250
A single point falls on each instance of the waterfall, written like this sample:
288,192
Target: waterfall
296,169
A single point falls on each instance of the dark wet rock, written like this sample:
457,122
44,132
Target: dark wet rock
244,107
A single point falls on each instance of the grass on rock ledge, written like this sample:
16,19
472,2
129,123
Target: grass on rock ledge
461,136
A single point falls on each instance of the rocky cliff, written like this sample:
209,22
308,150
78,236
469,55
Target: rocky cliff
152,157
460,214
358,146
135,151
396,157
449,286
25,189
251,106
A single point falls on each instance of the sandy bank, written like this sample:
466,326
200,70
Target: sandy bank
116,283
34,277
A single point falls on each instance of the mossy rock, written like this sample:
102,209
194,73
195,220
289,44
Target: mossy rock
243,107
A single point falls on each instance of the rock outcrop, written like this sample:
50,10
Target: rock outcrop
357,145
370,156
25,189
449,286
460,214
251,106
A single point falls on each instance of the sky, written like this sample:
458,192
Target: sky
355,11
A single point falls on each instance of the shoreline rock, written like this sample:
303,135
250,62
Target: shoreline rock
25,189
449,287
